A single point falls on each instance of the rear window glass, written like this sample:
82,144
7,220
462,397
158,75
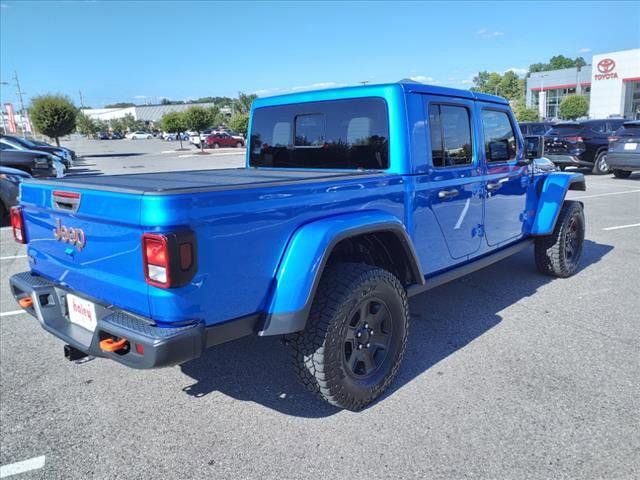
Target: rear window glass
337,134
565,130
629,130
537,129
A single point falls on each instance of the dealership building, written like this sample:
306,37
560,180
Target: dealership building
146,113
611,83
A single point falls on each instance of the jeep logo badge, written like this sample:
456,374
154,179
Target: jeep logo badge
74,236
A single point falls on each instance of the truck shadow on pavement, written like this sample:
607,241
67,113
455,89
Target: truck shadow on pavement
443,321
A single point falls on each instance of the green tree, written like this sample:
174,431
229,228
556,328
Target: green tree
510,86
243,103
131,124
198,118
557,62
524,114
240,123
573,106
117,125
120,105
174,122
86,125
53,115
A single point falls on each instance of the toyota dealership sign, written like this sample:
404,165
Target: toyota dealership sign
606,68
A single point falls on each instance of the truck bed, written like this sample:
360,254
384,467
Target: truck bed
166,183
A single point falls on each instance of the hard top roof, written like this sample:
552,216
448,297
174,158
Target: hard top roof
373,90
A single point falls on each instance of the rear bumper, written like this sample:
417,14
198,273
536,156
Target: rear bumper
568,160
624,161
149,345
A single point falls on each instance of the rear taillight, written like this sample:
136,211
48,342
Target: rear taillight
17,225
612,139
169,259
574,139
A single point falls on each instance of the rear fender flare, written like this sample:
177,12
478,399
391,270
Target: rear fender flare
552,195
305,258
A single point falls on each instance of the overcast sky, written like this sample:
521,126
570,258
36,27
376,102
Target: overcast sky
143,51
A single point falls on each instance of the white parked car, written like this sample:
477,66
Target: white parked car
170,136
138,135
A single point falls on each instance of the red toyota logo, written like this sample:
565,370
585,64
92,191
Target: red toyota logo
606,65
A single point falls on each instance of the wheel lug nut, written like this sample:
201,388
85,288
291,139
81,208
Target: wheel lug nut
370,332
359,334
368,344
366,325
360,347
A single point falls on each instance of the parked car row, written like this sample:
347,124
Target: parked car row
108,136
583,143
623,156
10,179
65,155
217,138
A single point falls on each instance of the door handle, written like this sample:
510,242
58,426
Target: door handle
448,193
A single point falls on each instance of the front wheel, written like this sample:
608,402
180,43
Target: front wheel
355,337
239,145
559,253
216,146
600,167
621,173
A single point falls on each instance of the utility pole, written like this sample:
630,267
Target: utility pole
81,100
19,92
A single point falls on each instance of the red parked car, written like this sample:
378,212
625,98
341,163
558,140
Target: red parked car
223,139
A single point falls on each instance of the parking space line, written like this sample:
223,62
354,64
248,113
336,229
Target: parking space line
618,227
11,258
13,312
34,463
604,194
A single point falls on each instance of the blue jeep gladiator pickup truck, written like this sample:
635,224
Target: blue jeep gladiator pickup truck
352,200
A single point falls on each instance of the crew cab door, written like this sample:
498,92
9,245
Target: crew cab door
507,181
452,186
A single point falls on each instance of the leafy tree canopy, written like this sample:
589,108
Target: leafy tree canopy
556,63
120,105
173,122
53,115
573,106
240,123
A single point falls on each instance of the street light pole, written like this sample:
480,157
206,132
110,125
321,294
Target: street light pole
541,95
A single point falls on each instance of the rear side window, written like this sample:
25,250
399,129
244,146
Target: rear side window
450,132
537,130
499,137
629,130
337,134
565,130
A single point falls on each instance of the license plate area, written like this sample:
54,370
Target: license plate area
630,146
82,312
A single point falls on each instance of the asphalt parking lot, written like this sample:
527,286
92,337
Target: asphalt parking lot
508,374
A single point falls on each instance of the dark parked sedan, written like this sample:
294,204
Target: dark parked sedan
38,164
10,179
66,155
581,144
624,150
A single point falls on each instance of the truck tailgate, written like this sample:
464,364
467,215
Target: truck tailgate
101,257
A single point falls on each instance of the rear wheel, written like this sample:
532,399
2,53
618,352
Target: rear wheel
621,173
559,253
355,337
600,166
216,145
239,145
562,168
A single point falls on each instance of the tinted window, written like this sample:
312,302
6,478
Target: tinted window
499,138
560,130
598,127
629,130
537,130
450,133
341,134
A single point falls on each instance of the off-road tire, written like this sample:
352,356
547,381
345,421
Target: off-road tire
319,356
621,173
559,253
600,166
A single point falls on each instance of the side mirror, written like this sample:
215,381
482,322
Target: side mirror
533,147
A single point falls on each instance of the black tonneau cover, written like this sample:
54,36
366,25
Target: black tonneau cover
192,181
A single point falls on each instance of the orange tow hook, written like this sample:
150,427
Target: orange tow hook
25,302
111,345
